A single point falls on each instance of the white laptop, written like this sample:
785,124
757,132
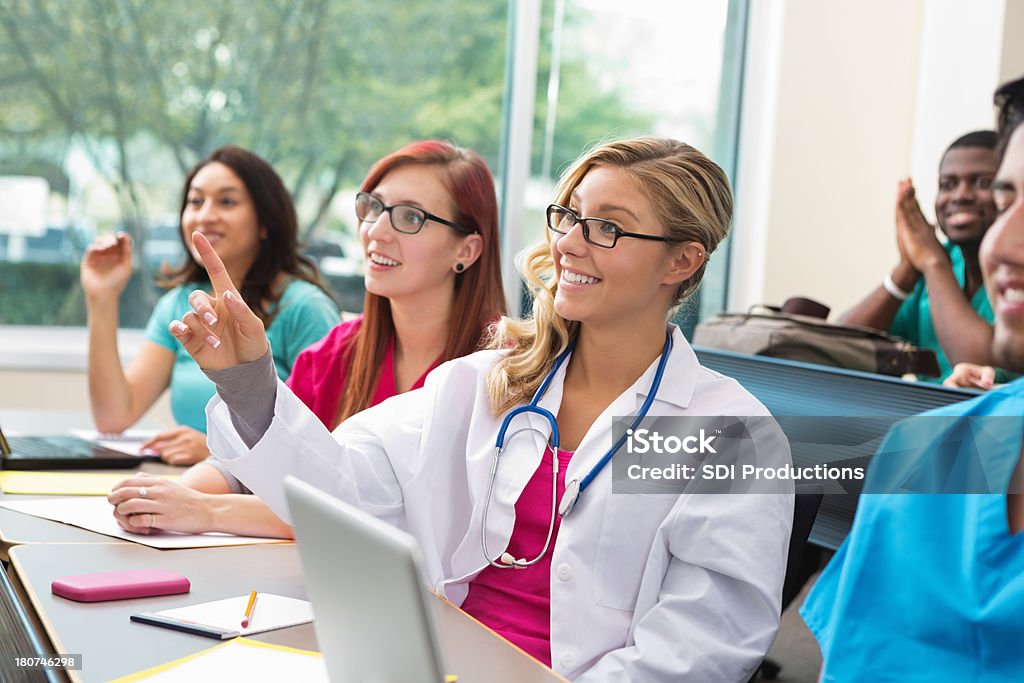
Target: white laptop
372,613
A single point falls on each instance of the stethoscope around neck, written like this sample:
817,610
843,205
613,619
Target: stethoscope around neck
574,488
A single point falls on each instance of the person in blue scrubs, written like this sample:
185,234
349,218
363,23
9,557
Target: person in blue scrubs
930,586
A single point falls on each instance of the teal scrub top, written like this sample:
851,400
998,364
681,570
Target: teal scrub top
913,320
305,314
930,586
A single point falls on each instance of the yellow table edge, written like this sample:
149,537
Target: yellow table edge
28,482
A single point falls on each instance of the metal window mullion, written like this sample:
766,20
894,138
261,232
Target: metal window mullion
517,135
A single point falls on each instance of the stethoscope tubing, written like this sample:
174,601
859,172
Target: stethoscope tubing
573,488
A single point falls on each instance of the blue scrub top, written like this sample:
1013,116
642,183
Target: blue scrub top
930,587
305,314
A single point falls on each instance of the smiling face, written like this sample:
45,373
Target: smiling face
1002,257
633,281
964,207
219,206
400,265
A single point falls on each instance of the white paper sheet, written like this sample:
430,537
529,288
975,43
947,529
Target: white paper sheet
96,514
129,441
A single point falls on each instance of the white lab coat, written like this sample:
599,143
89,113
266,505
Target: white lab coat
644,588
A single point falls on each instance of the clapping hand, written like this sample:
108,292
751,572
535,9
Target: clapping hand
915,235
221,331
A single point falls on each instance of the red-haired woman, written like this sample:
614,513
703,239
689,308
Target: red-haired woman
429,227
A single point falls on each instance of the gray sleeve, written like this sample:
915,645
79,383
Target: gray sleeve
249,391
234,485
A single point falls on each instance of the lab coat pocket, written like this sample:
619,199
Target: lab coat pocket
628,531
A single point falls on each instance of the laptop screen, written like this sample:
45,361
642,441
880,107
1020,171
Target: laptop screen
372,613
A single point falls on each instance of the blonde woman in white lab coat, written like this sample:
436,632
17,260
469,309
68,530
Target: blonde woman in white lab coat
631,587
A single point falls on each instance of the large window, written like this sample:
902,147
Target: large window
110,102
610,69
105,105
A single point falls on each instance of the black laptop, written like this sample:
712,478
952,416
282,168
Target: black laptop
60,452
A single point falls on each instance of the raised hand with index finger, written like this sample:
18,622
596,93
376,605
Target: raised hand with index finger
221,331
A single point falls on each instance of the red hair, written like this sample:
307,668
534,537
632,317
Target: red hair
479,299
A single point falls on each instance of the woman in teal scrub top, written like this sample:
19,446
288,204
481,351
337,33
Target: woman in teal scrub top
239,202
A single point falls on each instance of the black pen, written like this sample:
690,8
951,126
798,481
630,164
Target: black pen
184,626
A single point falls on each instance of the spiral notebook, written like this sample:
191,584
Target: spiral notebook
222,619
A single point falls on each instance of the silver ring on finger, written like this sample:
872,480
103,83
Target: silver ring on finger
152,520
143,492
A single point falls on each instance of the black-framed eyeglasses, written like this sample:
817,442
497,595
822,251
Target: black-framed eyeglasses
404,218
597,231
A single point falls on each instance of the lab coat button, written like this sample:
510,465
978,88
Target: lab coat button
564,572
567,660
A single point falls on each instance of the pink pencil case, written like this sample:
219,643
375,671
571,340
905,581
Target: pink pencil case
120,585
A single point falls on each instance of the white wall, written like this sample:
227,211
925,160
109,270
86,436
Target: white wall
45,370
60,390
43,390
1012,65
954,90
843,98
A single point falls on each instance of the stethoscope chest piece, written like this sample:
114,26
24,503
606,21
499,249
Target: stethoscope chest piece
569,498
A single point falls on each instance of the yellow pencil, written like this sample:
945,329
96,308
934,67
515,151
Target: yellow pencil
249,610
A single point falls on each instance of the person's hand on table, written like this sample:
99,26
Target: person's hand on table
221,331
179,446
145,504
971,376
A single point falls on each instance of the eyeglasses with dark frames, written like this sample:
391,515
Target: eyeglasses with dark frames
405,218
597,231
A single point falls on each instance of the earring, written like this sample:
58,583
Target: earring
459,267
